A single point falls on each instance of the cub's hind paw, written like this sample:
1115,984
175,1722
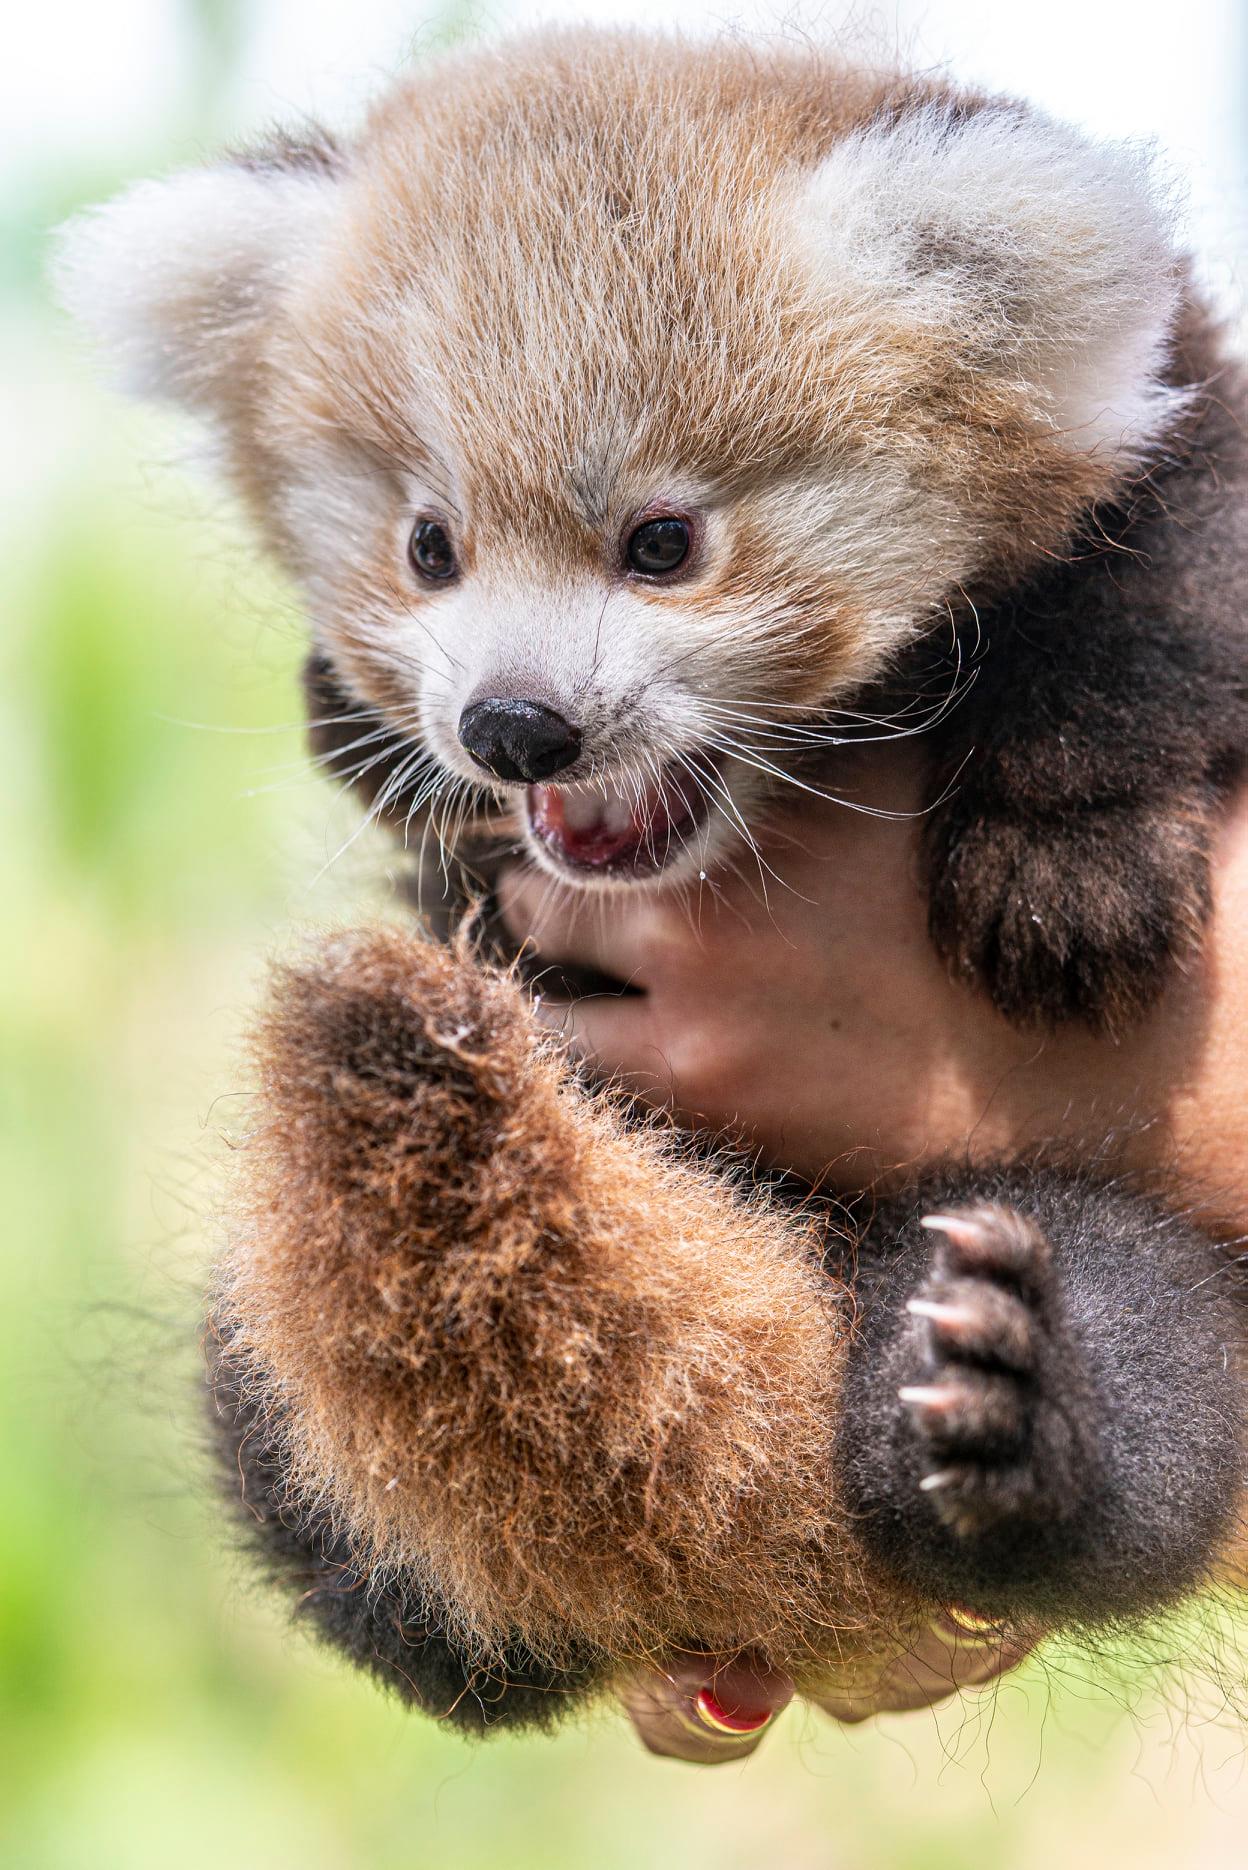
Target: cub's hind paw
996,1397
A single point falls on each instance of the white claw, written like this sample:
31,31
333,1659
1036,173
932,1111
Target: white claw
953,1317
930,1482
928,1395
964,1233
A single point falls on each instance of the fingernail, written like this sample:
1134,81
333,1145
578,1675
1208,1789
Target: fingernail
970,1623
737,1721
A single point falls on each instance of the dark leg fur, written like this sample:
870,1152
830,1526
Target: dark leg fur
1003,1415
388,1630
1042,1419
1070,865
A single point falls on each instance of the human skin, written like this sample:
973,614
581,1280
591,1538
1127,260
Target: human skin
814,1018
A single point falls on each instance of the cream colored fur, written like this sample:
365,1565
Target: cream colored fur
1047,254
891,341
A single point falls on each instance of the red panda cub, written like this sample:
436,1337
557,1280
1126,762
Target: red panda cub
634,416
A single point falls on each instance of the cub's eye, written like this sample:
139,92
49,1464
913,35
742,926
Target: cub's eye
431,551
658,546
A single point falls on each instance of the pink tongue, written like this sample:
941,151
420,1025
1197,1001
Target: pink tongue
594,827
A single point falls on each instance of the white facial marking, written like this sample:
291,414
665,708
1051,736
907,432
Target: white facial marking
159,274
1048,252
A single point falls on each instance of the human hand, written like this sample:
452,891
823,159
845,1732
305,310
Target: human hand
711,1710
817,1021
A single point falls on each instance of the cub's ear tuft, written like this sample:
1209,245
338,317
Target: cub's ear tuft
174,279
1019,246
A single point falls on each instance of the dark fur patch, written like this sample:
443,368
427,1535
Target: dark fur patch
1093,1461
1069,869
381,1624
305,149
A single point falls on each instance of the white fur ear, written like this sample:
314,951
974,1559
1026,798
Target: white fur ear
1045,256
172,278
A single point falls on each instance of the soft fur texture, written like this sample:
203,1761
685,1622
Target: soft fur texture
924,375
517,1393
466,1285
386,1624
1069,1363
916,360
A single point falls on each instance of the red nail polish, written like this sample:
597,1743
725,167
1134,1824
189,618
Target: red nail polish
739,1721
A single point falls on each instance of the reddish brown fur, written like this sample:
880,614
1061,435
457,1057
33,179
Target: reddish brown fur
602,171
527,1354
519,1352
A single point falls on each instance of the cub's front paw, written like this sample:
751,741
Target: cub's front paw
1072,916
998,1402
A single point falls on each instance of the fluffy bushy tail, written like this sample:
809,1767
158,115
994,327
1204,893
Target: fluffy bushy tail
538,1361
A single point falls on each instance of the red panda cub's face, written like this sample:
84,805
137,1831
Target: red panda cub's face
623,405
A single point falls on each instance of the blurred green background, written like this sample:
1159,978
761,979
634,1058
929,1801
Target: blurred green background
160,835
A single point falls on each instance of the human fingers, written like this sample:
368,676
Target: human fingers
599,979
955,1652
582,933
704,1709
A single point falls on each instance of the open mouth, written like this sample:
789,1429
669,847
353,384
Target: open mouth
620,831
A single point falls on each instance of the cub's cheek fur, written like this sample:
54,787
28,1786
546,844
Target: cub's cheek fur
534,1361
923,331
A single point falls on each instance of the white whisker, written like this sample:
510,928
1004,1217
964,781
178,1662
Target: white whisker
736,751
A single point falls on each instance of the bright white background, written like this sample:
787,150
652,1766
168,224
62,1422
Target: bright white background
86,78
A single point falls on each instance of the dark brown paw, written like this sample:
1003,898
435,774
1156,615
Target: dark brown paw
1077,917
995,1391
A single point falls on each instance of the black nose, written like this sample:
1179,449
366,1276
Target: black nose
518,739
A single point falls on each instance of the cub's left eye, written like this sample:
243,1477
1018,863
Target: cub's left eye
658,546
431,551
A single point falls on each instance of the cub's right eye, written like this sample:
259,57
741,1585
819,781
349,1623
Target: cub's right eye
658,546
431,551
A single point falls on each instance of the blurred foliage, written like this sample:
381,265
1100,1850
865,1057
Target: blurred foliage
156,1711
218,28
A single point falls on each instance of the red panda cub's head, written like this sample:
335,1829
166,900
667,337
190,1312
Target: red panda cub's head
609,395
